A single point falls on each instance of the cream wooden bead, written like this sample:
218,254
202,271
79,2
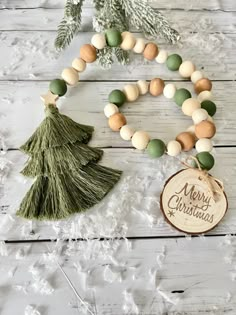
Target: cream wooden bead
110,109
209,118
204,145
173,148
162,56
190,105
140,140
199,115
186,69
98,41
131,92
143,87
169,90
139,46
79,64
191,129
128,41
205,95
196,75
126,132
70,76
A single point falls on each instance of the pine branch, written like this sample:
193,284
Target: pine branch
121,55
70,24
104,57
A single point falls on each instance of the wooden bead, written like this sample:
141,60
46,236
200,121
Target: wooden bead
190,105
156,148
156,86
98,41
173,148
150,51
58,87
131,92
204,145
191,129
203,84
199,115
110,109
186,69
173,62
210,119
116,121
162,56
79,64
117,97
205,95
206,160
181,95
169,90
88,53
209,106
143,87
187,140
140,140
128,41
196,75
70,75
139,46
126,132
113,37
205,129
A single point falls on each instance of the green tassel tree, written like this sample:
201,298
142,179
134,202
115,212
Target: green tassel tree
68,178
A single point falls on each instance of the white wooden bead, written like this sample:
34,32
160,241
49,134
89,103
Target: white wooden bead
186,69
98,41
199,115
204,145
205,95
139,46
126,132
190,105
169,90
110,109
70,75
162,56
131,92
143,87
140,140
196,75
79,64
128,41
173,148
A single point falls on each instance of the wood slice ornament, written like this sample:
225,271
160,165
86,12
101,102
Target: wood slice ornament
193,201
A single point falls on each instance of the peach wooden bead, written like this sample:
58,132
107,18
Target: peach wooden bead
205,129
187,140
150,51
156,86
116,121
203,84
79,64
70,76
88,53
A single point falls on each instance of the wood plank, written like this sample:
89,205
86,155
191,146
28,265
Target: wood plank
150,270
31,56
226,5
22,112
131,209
184,21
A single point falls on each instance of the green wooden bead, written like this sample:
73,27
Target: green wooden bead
173,62
113,37
181,95
117,97
156,148
58,87
206,160
209,106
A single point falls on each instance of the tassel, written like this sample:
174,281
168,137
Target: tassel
68,180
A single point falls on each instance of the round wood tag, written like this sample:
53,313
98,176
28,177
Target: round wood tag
188,204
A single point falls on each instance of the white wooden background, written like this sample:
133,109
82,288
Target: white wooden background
157,270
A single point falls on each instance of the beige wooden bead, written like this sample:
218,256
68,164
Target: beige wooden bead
116,121
131,92
139,46
98,41
196,75
173,148
150,51
162,56
186,69
128,41
70,76
156,86
79,64
199,115
126,132
190,105
140,140
204,145
143,87
110,109
205,95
